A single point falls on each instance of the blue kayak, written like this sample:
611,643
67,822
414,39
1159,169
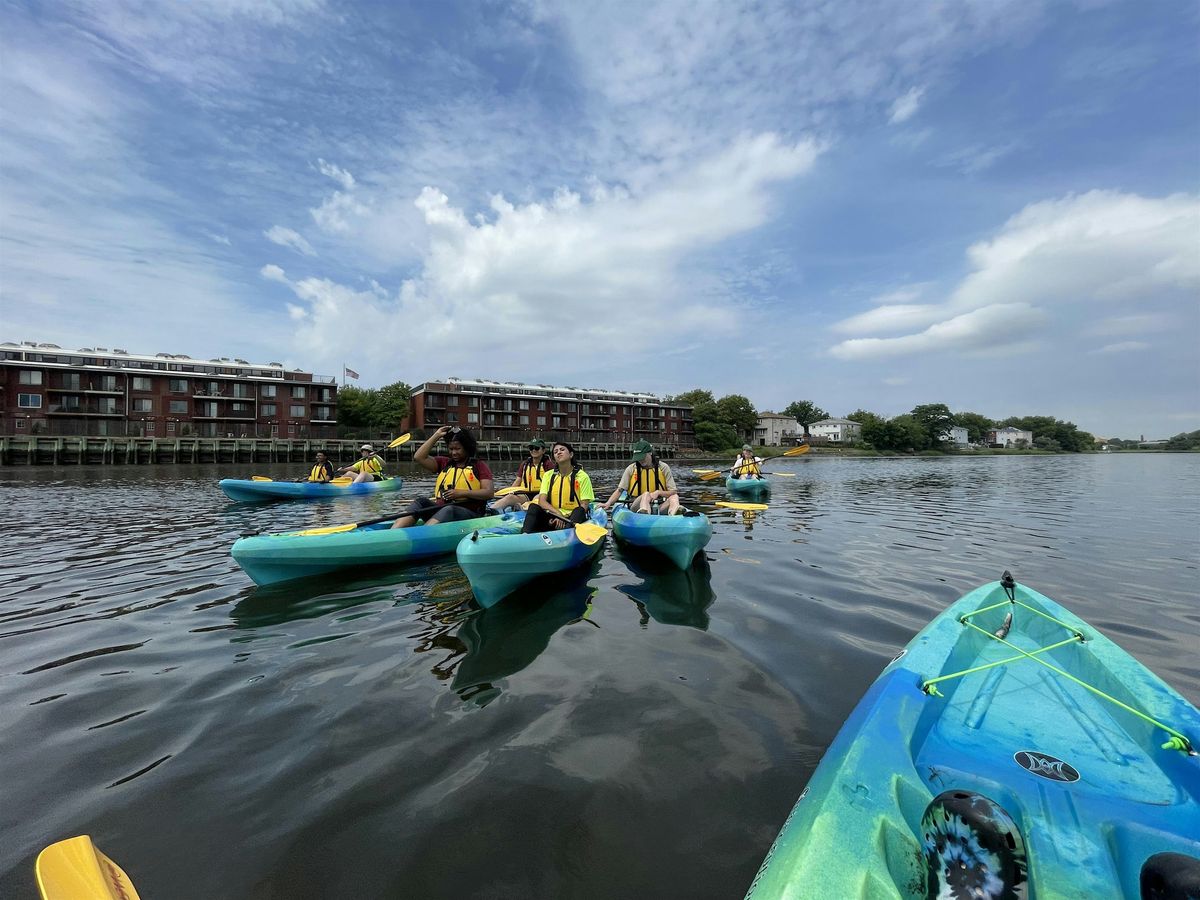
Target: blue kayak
273,558
497,562
245,489
678,538
747,486
1009,751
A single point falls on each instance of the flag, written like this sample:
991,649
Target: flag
351,373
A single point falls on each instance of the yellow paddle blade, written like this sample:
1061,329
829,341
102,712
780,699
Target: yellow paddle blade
781,474
588,532
260,478
709,476
341,479
328,529
703,471
403,439
75,870
749,507
511,490
798,451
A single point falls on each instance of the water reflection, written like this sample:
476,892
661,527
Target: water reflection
665,593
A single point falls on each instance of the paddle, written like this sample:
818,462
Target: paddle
350,526
781,474
589,532
512,490
798,451
749,507
74,868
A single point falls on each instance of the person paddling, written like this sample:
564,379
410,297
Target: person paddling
647,482
463,486
529,477
369,467
564,494
322,469
747,465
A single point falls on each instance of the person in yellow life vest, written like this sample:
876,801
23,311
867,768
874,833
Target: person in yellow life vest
368,468
322,469
564,494
463,485
747,465
646,482
529,477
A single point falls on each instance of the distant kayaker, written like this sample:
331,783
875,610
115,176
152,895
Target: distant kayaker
322,469
368,468
647,482
529,477
563,496
747,465
463,486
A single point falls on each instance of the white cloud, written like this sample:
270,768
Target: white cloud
905,107
1069,255
1123,347
286,237
338,212
219,239
1141,323
341,176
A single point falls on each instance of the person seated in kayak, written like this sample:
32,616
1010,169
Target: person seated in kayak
463,486
322,469
529,477
564,494
368,468
647,481
747,465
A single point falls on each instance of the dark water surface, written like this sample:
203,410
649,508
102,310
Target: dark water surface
634,731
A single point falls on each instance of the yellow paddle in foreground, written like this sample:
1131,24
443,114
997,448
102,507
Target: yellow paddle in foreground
503,492
749,507
75,870
587,532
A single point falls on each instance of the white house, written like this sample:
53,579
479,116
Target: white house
775,430
958,436
836,431
1010,437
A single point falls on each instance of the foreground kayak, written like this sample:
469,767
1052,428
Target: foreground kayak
246,490
678,538
977,765
747,485
273,558
497,562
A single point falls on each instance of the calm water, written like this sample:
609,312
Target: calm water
633,731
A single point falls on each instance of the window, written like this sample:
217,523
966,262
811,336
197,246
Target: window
557,421
208,409
107,405
70,380
28,376
291,428
150,427
542,420
20,423
298,392
69,404
241,390
452,418
177,385
296,411
177,406
524,420
472,418
239,407
542,406
267,409
140,383
108,382
612,423
489,419
143,404
570,407
170,428
268,390
29,401
473,402
522,404
214,388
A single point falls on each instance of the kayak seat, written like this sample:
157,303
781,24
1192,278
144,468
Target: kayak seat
972,848
1170,876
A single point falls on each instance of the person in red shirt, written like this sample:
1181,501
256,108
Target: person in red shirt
463,486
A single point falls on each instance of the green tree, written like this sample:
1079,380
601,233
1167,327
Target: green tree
354,407
391,405
737,412
715,436
903,434
935,421
704,407
977,425
805,412
1067,434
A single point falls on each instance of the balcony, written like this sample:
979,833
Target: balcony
58,409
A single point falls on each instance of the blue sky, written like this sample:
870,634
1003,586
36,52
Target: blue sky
994,205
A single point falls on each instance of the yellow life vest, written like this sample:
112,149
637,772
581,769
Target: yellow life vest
371,464
448,480
654,480
531,475
320,472
746,467
566,499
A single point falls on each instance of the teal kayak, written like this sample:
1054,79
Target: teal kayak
678,538
497,562
747,486
245,489
273,558
1010,751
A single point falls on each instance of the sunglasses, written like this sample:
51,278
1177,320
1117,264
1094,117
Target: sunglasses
531,449
455,430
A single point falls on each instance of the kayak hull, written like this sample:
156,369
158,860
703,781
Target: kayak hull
497,562
748,487
678,538
275,558
1017,778
248,491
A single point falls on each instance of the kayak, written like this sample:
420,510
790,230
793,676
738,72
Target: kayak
979,765
273,558
497,562
247,490
747,485
678,538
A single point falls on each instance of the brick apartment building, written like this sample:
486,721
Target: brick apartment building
45,389
515,411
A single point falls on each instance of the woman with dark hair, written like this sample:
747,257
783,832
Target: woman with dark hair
529,477
564,495
463,486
